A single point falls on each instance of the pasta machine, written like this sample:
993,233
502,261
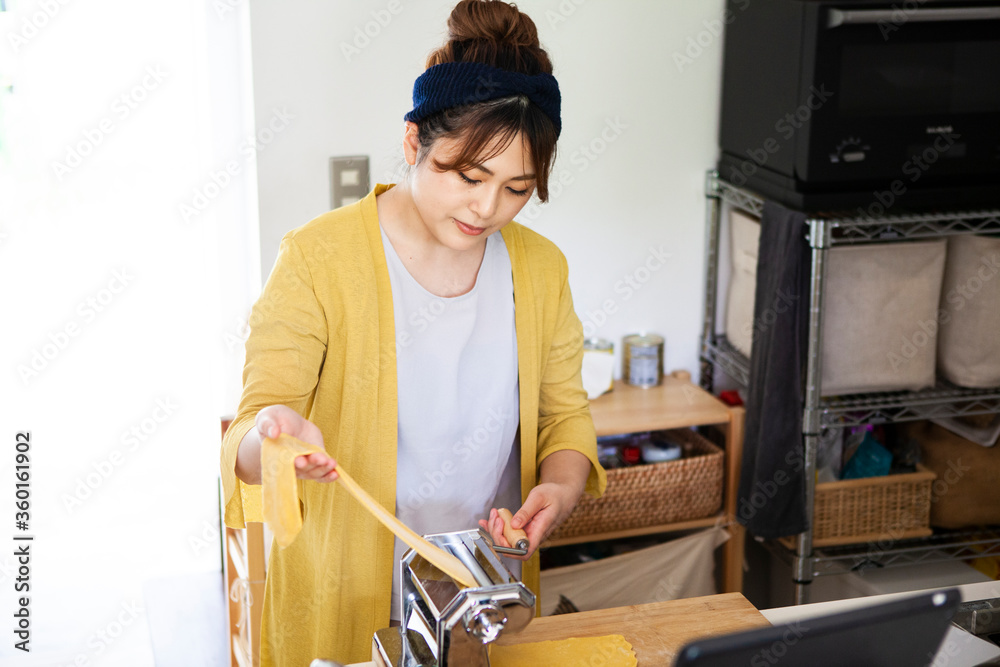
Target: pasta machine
444,625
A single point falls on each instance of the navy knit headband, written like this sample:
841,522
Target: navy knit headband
450,85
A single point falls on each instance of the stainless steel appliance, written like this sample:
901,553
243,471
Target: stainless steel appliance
874,106
447,626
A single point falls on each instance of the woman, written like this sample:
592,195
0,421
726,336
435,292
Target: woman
428,343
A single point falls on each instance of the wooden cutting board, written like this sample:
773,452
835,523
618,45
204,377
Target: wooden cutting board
656,631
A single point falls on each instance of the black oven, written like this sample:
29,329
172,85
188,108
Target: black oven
834,105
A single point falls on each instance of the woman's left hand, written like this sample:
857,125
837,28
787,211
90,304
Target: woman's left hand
546,507
563,476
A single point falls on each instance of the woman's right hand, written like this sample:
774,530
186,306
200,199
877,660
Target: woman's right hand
274,420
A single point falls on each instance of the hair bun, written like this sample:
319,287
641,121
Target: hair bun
491,20
493,32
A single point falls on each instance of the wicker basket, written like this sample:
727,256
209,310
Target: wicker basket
654,494
874,509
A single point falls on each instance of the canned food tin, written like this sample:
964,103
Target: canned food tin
642,359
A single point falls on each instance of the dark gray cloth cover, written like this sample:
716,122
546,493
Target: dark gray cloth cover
771,498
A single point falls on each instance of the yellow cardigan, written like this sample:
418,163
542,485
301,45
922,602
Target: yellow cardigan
323,342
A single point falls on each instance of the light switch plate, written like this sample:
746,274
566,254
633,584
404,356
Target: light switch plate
348,180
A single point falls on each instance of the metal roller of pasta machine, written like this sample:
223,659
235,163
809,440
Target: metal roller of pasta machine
444,625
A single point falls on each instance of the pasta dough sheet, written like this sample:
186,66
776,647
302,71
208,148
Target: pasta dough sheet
608,651
282,514
279,489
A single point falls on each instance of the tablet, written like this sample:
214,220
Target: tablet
899,633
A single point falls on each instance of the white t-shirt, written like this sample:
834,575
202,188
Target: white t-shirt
457,387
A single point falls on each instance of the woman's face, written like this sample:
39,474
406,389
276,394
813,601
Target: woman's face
461,208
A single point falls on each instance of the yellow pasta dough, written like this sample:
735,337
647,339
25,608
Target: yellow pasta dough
281,504
279,492
606,651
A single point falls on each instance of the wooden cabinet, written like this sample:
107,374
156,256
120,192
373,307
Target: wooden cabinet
677,403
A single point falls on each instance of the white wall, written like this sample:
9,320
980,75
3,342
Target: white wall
618,65
120,310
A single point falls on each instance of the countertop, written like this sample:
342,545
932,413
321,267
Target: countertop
658,630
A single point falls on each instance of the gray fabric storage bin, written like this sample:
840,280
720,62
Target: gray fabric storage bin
880,316
969,336
880,310
744,234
